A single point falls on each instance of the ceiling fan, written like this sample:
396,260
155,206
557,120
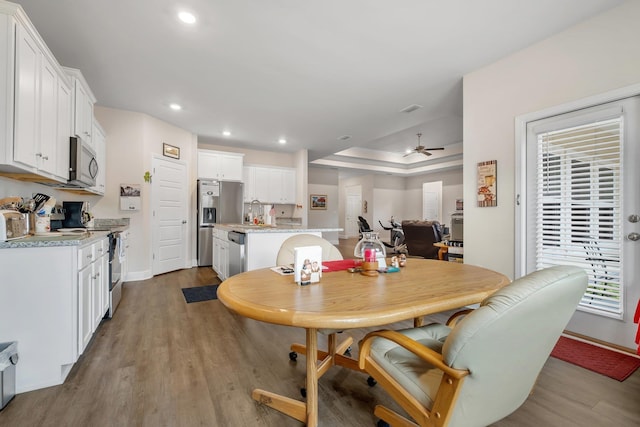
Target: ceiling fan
422,149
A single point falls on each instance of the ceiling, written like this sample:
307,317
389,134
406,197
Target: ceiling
314,73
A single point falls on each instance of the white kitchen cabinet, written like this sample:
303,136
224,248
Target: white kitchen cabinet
270,184
92,279
220,261
34,85
220,165
50,313
83,101
63,129
100,145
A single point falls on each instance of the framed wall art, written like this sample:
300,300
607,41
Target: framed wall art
170,151
318,201
487,184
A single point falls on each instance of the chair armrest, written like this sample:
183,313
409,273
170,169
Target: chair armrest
457,316
411,345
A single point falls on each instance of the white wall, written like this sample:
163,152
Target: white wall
594,57
325,181
132,139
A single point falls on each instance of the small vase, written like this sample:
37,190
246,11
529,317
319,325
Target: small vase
370,248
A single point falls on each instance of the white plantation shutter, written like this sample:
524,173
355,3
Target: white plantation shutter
577,207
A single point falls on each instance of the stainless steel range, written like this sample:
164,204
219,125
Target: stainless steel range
116,252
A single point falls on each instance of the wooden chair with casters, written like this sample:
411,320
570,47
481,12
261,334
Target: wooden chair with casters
484,367
329,253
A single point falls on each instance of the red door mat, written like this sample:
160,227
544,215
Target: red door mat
597,359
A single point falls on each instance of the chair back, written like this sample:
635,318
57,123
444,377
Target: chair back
506,341
419,236
286,252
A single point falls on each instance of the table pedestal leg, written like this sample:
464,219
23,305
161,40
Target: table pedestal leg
306,413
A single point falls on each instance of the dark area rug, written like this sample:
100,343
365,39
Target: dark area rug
200,293
597,359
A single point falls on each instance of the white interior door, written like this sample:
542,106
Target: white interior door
353,210
169,215
582,202
432,201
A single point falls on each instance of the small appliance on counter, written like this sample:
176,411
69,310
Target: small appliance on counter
76,214
13,225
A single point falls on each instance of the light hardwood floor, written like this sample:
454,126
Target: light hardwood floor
162,362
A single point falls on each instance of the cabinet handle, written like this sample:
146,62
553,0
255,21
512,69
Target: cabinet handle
88,256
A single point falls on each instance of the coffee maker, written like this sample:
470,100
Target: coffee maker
76,214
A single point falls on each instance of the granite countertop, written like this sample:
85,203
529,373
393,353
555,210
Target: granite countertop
248,228
54,239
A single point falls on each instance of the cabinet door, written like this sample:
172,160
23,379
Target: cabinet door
248,178
262,185
27,72
83,114
230,167
63,130
207,165
224,260
85,319
288,195
48,123
105,282
99,144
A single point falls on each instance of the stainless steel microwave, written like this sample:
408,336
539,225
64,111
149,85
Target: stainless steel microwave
83,166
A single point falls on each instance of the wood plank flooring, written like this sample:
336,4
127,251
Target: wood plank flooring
162,362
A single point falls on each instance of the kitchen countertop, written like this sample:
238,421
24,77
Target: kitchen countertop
247,228
41,241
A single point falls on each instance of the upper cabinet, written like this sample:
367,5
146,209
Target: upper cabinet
220,165
34,93
83,101
270,184
100,145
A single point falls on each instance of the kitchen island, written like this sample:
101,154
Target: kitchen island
261,243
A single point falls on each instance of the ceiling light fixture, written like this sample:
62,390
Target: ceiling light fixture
187,17
282,141
226,133
175,107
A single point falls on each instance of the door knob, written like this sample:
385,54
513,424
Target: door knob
633,236
184,221
634,218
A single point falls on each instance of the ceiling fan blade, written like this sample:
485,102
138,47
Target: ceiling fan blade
433,149
426,153
408,154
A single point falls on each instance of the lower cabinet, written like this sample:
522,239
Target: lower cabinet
220,261
93,289
51,301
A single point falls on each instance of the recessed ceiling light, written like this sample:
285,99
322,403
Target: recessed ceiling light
187,17
282,141
175,107
226,133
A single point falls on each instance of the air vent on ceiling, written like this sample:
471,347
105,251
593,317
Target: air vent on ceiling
344,137
411,108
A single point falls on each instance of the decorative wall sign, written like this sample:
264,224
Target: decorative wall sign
130,197
318,201
170,151
487,184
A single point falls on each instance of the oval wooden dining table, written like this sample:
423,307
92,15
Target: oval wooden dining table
343,300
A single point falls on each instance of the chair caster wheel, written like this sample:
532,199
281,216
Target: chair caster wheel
372,382
347,352
303,392
293,356
382,423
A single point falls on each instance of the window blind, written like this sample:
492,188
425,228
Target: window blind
578,202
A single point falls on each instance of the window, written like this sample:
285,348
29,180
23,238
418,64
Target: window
577,207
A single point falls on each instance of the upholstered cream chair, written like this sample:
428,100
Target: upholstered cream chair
329,253
285,254
483,367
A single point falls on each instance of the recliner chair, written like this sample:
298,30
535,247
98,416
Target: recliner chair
419,236
480,369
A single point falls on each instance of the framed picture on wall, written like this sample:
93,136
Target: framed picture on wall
487,184
318,201
170,151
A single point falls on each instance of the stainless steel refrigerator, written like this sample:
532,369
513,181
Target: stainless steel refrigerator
218,202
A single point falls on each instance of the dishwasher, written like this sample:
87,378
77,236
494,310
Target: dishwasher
236,253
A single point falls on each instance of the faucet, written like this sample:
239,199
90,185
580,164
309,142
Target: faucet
259,204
